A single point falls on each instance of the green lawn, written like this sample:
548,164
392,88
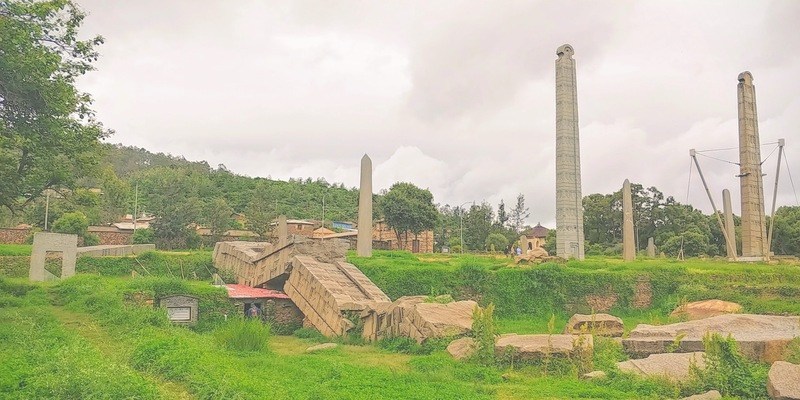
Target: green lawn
15,249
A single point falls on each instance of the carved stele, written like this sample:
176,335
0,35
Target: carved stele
754,234
569,207
364,238
628,245
727,210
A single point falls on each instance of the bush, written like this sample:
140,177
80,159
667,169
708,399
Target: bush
728,371
496,242
484,330
91,240
143,236
75,223
243,335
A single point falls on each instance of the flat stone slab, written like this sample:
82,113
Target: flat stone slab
674,366
461,348
535,347
597,324
760,337
783,381
594,375
320,347
706,308
709,395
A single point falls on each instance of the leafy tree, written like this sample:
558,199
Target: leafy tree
261,210
478,224
48,133
217,216
496,242
75,223
786,233
502,215
519,214
407,208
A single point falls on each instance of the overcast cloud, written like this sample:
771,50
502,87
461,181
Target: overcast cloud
457,97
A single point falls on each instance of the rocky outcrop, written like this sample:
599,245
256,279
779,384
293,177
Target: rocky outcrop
760,337
597,324
783,381
536,347
704,309
673,366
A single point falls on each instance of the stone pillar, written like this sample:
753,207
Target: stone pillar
628,245
569,201
754,234
651,248
364,238
283,231
727,210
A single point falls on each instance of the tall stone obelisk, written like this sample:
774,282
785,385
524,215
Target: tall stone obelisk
727,211
754,233
569,201
628,245
364,238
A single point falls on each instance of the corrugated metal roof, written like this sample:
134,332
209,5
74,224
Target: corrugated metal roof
236,291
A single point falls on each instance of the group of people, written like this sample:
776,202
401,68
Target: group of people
512,250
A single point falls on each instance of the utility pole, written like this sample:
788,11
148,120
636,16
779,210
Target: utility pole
135,205
46,208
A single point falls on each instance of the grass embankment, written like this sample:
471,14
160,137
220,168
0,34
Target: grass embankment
527,296
15,262
118,336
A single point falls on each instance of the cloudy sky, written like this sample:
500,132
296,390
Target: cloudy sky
454,96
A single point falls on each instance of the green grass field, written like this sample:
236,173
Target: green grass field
91,336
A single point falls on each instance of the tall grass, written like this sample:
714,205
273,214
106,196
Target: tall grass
240,334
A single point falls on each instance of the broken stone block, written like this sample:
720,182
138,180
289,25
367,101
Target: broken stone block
673,366
706,308
760,337
594,375
783,381
536,347
597,324
462,348
709,395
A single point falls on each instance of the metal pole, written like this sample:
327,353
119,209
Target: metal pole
461,215
46,209
135,206
728,241
781,143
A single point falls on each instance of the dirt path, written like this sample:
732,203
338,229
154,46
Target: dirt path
116,351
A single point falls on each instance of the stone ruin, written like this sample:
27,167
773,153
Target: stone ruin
45,242
334,296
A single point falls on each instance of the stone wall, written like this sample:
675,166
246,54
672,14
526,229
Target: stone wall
14,235
114,238
385,238
282,314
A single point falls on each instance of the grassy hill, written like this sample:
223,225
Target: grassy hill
95,336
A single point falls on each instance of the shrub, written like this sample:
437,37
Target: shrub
143,236
728,371
484,330
243,335
74,222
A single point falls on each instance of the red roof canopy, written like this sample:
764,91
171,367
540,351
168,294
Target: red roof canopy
236,291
